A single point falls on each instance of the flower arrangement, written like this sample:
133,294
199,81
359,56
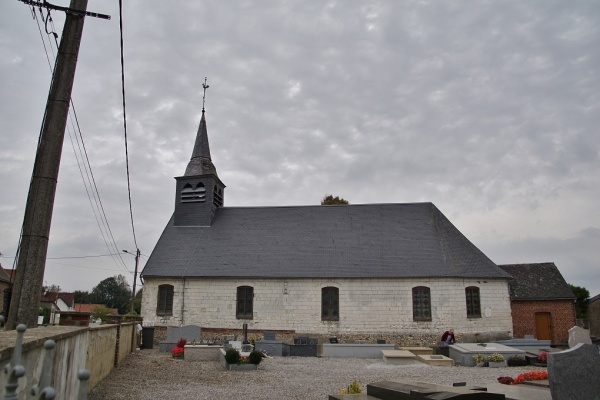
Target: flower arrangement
531,376
354,388
496,357
527,376
479,358
543,357
179,348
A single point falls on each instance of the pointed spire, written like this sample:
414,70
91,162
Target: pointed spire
201,163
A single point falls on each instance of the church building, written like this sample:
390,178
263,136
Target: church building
397,271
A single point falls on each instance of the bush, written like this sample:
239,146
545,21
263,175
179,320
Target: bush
255,357
354,388
479,358
516,361
232,356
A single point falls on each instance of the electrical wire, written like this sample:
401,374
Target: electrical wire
125,120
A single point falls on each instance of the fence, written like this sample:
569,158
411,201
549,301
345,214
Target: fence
50,359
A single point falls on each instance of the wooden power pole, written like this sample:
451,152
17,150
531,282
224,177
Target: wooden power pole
25,300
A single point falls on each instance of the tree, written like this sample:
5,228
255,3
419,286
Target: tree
137,302
329,200
100,312
581,303
113,292
82,297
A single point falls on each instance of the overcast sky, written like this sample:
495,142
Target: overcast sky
488,109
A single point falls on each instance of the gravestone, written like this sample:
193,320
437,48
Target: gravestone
269,335
573,373
579,335
191,333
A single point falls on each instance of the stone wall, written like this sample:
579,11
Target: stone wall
101,361
562,312
372,307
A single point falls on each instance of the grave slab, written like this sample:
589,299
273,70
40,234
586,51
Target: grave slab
202,353
573,373
399,357
435,360
354,350
418,350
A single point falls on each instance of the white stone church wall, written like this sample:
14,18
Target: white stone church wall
365,305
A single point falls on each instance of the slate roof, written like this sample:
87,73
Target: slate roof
539,281
353,241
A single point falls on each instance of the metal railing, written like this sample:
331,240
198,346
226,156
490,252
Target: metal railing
43,389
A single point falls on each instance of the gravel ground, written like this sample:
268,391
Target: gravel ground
150,374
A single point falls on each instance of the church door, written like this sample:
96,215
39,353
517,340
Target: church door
543,326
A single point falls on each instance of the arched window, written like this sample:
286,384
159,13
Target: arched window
245,300
473,306
330,304
421,303
193,195
164,304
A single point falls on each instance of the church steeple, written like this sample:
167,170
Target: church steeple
199,191
201,163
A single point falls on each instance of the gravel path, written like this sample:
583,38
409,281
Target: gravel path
150,374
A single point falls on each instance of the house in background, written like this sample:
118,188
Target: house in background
541,301
87,308
56,302
593,315
402,272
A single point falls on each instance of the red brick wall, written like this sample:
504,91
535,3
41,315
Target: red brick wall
523,316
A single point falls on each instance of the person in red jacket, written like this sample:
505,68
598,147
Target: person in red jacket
448,337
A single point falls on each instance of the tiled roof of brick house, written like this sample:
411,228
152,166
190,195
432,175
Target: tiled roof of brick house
537,281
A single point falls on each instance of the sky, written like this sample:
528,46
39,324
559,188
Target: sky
488,109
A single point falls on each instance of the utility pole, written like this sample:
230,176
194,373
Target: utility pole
31,263
137,260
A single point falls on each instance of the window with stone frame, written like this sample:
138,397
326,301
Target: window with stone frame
165,300
245,299
421,303
330,304
473,304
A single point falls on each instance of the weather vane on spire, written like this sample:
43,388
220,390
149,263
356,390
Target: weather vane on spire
205,86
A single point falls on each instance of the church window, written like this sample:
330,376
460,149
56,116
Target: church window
473,306
165,300
245,298
193,195
421,303
330,304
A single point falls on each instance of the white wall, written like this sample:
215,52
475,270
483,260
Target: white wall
366,305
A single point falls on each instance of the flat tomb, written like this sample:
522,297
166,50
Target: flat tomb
399,357
202,352
463,353
418,350
435,360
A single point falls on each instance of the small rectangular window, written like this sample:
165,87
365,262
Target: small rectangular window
245,299
330,304
421,304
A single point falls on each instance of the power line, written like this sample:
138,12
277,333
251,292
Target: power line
125,120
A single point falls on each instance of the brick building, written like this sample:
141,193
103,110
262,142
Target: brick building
541,301
400,270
